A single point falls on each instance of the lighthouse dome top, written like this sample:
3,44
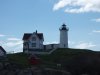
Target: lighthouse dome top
63,27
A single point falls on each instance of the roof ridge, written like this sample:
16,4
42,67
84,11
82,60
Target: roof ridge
27,35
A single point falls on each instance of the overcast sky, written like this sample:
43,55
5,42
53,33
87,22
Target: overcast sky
26,16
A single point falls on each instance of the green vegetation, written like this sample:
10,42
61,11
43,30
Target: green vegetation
19,58
64,56
59,56
76,61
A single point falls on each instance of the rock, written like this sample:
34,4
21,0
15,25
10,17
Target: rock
25,72
37,72
1,66
14,69
4,72
11,73
84,74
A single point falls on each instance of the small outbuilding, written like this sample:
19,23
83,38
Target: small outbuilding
2,52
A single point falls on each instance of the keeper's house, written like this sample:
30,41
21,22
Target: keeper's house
33,41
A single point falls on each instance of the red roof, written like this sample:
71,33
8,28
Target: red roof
27,35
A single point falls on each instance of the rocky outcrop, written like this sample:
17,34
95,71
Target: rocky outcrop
15,69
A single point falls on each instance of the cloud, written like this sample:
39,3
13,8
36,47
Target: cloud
1,42
96,20
78,6
71,42
13,39
96,31
84,45
12,44
19,48
61,4
2,35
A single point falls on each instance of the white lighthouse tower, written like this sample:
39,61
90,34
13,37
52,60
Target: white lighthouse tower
64,36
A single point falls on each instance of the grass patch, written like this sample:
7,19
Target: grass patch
58,56
19,58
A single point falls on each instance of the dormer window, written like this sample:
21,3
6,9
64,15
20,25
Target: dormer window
33,38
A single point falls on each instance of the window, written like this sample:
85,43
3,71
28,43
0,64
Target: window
33,44
25,44
33,38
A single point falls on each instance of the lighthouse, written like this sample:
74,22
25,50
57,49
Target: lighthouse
63,36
